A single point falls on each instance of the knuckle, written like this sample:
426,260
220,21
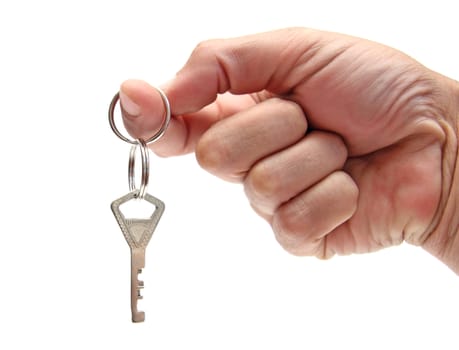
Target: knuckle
291,112
212,153
347,186
338,147
263,183
205,48
335,145
288,230
293,236
292,108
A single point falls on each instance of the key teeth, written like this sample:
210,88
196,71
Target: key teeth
139,295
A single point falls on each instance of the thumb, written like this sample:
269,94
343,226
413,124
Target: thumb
143,109
243,65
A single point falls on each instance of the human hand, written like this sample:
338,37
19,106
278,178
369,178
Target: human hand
343,145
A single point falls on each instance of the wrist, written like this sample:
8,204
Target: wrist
443,238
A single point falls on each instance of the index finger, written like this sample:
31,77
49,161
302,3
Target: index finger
241,66
143,114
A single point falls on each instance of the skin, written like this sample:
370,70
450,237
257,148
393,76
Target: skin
343,145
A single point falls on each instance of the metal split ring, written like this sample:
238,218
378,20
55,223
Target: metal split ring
157,135
143,145
145,169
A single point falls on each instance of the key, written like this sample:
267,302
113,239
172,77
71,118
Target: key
137,233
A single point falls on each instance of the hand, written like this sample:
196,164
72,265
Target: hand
343,145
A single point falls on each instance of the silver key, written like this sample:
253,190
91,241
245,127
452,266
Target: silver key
137,233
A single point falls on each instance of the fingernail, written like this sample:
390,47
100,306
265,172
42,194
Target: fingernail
129,106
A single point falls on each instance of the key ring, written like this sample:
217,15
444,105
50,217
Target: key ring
140,193
159,133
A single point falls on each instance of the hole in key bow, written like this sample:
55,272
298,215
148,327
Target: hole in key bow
139,209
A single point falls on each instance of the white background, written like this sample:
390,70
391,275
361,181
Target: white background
215,277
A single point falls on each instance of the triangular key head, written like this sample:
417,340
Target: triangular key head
137,231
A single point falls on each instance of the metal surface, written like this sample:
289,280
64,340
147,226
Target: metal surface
137,233
145,169
157,135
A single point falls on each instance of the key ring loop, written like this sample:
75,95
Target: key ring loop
156,136
145,168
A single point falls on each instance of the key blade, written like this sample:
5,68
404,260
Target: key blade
137,232
137,264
